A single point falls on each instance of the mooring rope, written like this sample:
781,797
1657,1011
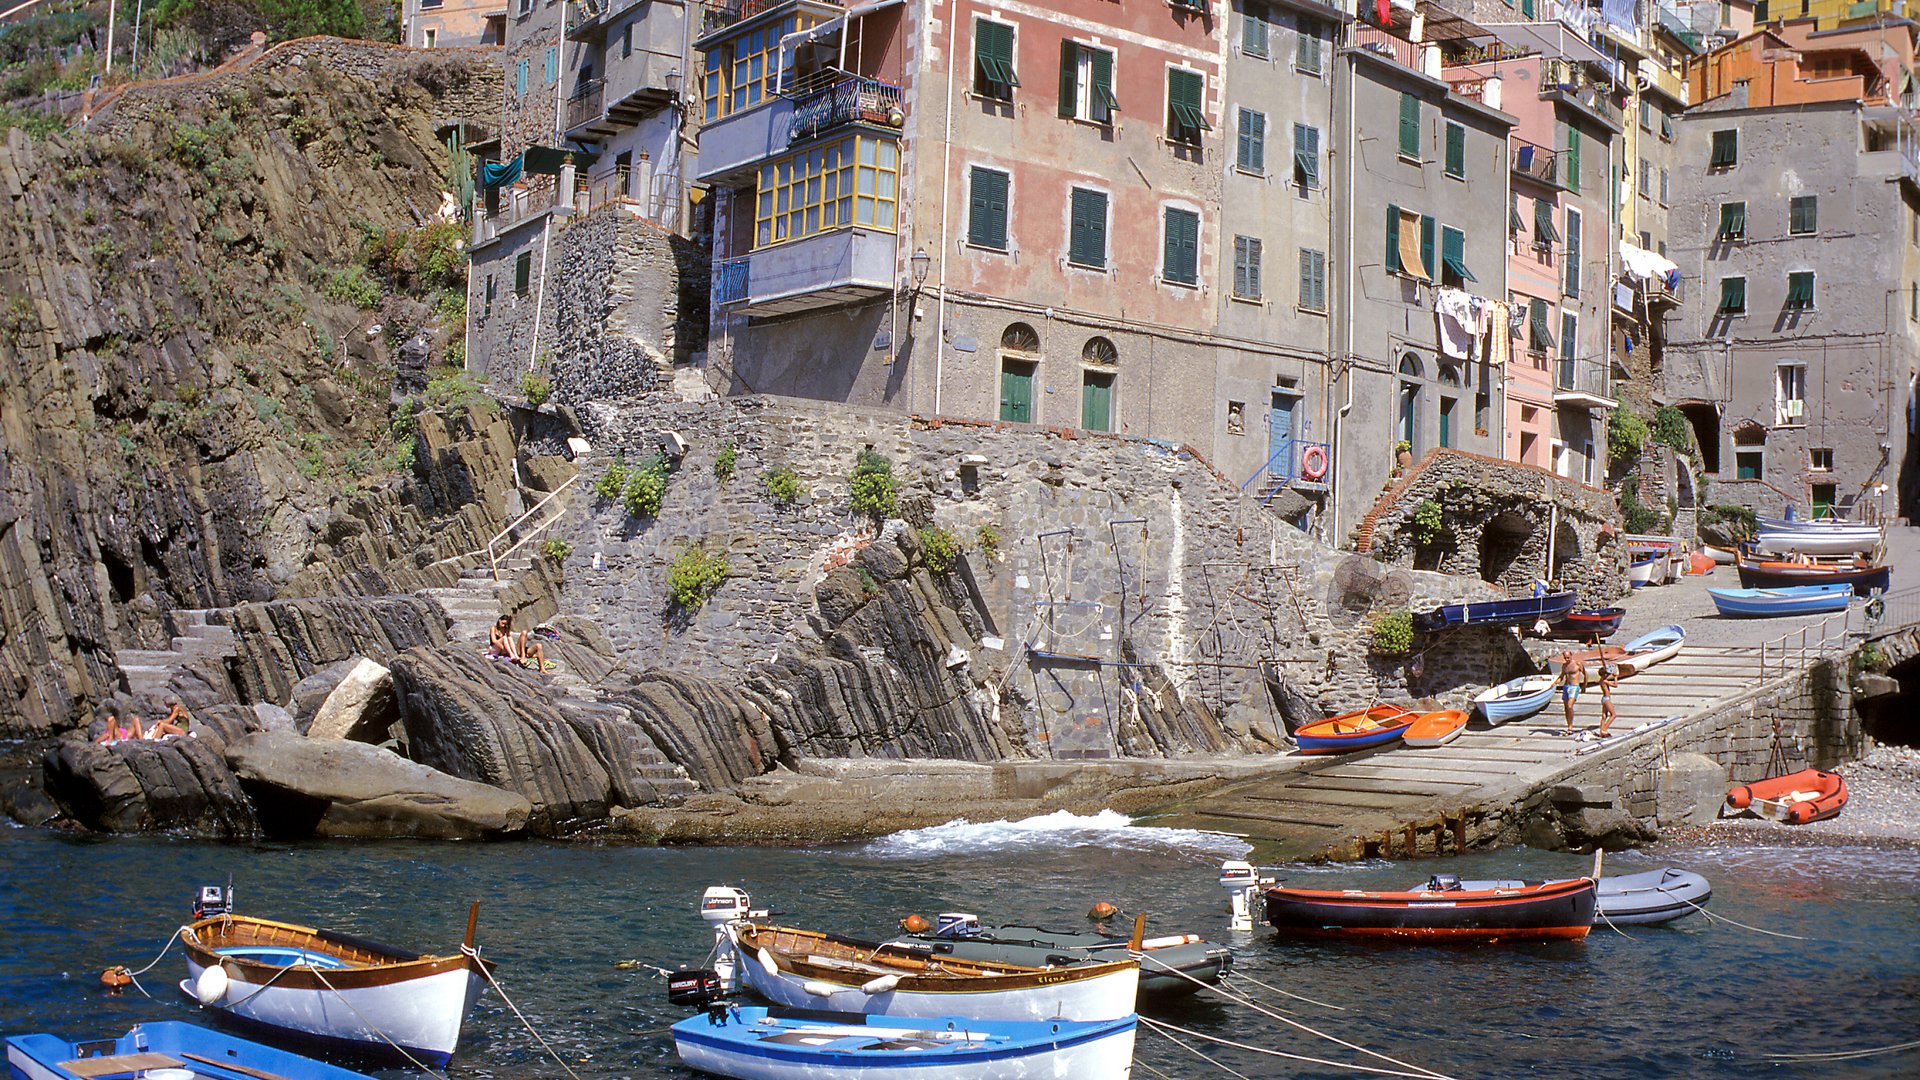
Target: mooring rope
1157,1024
1151,1069
1242,999
1846,1055
262,987
371,1026
498,989
1722,918
1201,1054
134,976
1240,977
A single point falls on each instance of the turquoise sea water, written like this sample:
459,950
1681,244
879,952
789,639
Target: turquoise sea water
1697,999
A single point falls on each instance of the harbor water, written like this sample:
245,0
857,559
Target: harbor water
1698,998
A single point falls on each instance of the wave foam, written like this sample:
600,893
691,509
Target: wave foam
1108,828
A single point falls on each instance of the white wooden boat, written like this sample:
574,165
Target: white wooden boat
1827,537
330,987
1723,556
1515,698
753,1043
1640,571
809,969
1649,649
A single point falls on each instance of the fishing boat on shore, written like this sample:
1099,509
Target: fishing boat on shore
1436,728
1170,964
1865,575
1771,603
1796,798
163,1050
1640,570
753,1043
1644,899
331,988
1357,730
1649,649
1442,910
1819,537
1515,698
1513,611
1588,625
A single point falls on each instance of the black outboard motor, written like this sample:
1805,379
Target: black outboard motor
695,988
213,900
1443,883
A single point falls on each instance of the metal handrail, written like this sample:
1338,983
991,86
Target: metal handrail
493,560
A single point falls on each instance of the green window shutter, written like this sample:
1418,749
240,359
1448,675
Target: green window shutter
1666,125
993,60
1185,118
520,79
1182,255
1254,30
523,273
1409,125
1101,68
1427,265
1246,268
1393,240
1726,149
1306,156
1253,141
1803,214
1514,222
1453,253
1733,295
1538,333
1456,164
1800,290
1527,9
1733,221
1572,176
1544,231
1087,246
1313,279
1307,54
987,209
1069,78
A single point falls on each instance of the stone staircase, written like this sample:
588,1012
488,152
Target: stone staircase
473,602
148,671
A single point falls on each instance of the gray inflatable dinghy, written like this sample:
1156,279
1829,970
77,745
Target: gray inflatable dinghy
1655,896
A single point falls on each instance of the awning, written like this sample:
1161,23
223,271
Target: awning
547,160
1549,38
1411,263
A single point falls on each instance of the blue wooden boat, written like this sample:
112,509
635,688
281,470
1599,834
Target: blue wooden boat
751,1043
1516,698
1794,600
1640,571
1587,625
1515,611
1357,730
165,1050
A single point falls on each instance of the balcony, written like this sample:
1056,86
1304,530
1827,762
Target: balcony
1535,161
723,15
514,206
732,147
1664,81
1581,384
1562,83
1657,293
824,270
643,83
849,101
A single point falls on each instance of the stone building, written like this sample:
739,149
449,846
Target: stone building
447,24
1795,361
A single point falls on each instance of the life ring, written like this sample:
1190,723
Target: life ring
1313,462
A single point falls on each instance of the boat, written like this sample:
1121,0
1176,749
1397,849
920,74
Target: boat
1357,730
1796,798
1864,575
1440,911
1824,537
1170,964
1795,600
1655,896
1720,555
1513,611
754,1043
810,969
1436,728
1515,698
1649,649
1640,571
332,988
1589,624
163,1050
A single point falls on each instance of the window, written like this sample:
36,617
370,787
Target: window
1181,261
1539,335
1186,118
1246,268
430,37
1409,126
487,310
1250,154
1572,261
1646,115
1820,459
1087,232
1800,290
1306,157
1747,464
1571,175
1453,258
1733,296
1733,222
1254,30
626,41
1515,224
1663,187
1409,243
1544,234
550,66
522,273
1646,179
1306,57
1456,159
1086,83
1666,126
1569,336
746,71
1646,240
993,75
1803,214
1790,395
987,209
829,186
1726,149
1313,279
520,79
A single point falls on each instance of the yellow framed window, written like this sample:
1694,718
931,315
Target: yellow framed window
850,181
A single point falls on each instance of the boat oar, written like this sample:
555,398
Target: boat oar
473,919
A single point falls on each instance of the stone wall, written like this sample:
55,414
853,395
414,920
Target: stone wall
629,299
1496,517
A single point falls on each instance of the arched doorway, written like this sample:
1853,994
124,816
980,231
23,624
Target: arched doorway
1019,364
1502,542
1099,369
1409,425
1704,416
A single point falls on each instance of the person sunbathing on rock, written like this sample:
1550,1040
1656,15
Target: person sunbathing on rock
116,731
521,649
175,723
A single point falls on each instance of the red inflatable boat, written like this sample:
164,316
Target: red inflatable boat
1797,798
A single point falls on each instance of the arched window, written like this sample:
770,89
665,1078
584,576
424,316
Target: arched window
1100,351
1449,375
1099,359
1409,400
1020,338
1410,366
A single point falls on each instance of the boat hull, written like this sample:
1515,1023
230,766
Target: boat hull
1548,911
749,1045
1515,698
1436,728
1516,611
1647,899
1771,603
1359,730
1165,970
1780,798
40,1056
1584,625
1865,580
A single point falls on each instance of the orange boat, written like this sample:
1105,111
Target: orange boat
1797,798
1436,728
1356,730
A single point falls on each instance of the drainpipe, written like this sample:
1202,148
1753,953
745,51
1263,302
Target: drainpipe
1346,342
564,182
946,184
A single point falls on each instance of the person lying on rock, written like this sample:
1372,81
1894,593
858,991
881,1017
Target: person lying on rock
116,731
175,723
522,649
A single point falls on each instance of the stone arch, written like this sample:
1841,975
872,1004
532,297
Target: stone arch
1704,416
1020,338
1100,350
1503,540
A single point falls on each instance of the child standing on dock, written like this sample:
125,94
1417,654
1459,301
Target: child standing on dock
1609,678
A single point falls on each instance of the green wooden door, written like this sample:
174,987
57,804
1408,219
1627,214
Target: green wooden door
1016,392
1096,401
1822,501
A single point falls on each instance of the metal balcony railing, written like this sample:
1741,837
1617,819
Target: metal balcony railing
728,14
587,104
730,280
845,102
1531,159
1293,460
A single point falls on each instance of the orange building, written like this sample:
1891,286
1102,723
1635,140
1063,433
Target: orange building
1796,63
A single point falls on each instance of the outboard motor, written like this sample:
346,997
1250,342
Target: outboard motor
213,900
956,924
1443,883
695,988
1243,884
721,906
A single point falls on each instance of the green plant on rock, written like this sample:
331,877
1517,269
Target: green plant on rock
876,493
987,539
1427,519
454,389
939,547
1670,429
783,484
352,285
555,548
1637,516
1742,522
537,388
694,576
724,462
1626,434
1391,634
611,483
646,489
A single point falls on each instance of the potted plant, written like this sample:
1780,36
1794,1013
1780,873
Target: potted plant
1402,455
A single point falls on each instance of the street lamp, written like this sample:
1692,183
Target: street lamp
920,260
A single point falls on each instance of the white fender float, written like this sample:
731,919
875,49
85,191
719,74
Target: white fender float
766,963
819,989
211,986
880,985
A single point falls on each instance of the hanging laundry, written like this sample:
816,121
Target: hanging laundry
1498,343
496,174
1453,309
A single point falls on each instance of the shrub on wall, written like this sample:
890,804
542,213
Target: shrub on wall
939,547
1626,434
987,539
694,575
555,548
783,484
646,488
876,493
1637,516
1392,634
1670,428
614,481
1744,522
1427,519
537,388
724,462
